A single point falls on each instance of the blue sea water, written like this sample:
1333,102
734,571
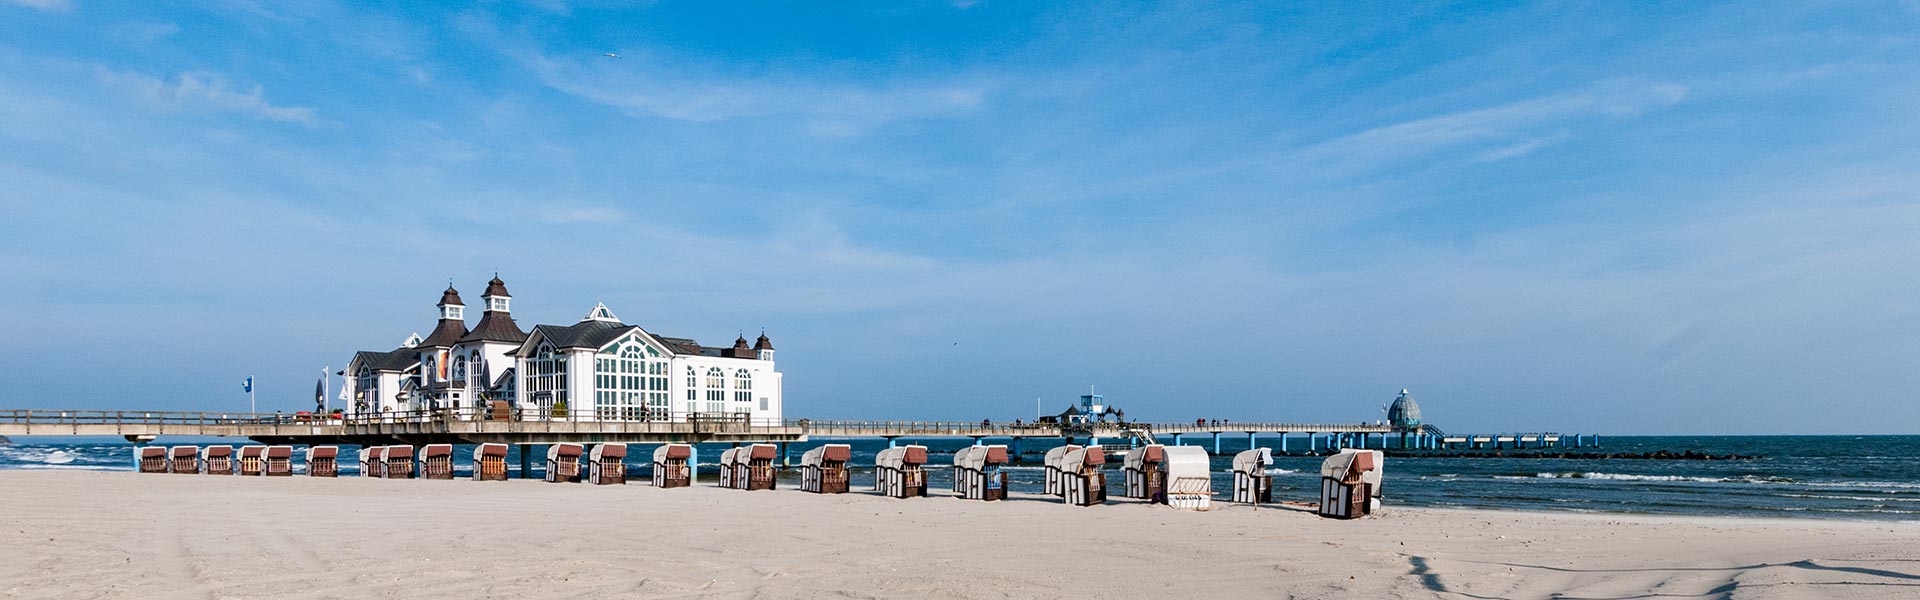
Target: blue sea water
1846,477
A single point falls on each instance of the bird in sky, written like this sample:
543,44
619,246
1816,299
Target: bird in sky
611,55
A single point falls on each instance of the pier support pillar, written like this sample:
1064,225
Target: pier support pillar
1251,444
1013,446
1216,442
785,461
976,440
1283,442
890,441
1176,440
526,461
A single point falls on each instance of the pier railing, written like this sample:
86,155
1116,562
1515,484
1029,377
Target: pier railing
475,423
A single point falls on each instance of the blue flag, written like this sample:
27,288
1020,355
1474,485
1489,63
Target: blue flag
247,385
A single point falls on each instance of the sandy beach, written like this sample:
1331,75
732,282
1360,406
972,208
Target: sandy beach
123,535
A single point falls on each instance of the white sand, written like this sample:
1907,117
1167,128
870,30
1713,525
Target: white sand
125,535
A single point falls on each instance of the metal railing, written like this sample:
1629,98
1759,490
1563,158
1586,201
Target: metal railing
534,419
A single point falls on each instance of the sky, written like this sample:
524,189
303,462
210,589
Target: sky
1607,217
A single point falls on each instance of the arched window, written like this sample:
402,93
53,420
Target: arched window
693,391
459,368
716,390
546,378
742,388
366,389
478,374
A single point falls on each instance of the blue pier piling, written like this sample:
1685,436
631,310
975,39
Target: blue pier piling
1176,440
1283,442
1216,442
1250,441
890,442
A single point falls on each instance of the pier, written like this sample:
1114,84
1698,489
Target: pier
479,426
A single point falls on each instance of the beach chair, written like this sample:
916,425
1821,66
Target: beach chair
279,461
183,460
1052,466
1251,484
1142,471
1186,474
563,463
726,467
490,462
899,472
436,461
217,460
1082,482
607,464
397,462
672,466
153,459
753,467
1347,483
253,460
323,461
369,458
823,470
977,474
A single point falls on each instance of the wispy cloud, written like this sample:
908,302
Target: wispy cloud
642,87
1507,130
187,91
47,5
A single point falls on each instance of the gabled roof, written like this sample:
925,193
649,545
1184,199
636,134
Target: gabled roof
396,361
585,334
445,334
505,378
495,327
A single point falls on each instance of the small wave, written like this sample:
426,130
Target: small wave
63,467
37,455
1859,498
1657,478
1281,471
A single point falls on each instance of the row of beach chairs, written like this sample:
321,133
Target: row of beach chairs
272,461
1177,476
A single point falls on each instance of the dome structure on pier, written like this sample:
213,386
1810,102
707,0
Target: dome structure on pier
1404,414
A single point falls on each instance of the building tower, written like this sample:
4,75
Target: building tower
763,347
1404,414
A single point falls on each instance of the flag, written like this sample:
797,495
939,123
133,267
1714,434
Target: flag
247,385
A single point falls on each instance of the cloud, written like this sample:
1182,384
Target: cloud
202,90
645,88
47,5
1509,127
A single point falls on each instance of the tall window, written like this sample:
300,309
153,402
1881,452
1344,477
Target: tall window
460,369
547,378
742,390
716,390
630,381
478,379
366,388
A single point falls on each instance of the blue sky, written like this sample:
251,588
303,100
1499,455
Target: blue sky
1612,217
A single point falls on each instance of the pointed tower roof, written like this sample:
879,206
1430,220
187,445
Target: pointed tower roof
763,343
448,331
496,288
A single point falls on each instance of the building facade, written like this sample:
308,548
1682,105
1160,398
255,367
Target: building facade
596,369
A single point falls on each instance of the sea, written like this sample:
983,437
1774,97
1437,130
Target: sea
1829,477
